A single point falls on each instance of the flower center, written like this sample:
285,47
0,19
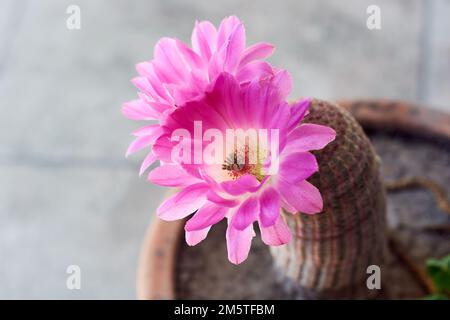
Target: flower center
245,161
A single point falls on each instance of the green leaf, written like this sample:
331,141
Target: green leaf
439,272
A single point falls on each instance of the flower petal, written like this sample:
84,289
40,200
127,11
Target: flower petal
298,166
192,58
234,48
139,110
277,234
227,25
171,176
206,216
286,206
310,136
150,82
163,148
298,111
147,130
257,51
139,143
144,85
302,196
203,39
246,214
214,197
158,107
254,71
166,53
148,161
184,203
195,237
269,202
245,183
238,243
283,81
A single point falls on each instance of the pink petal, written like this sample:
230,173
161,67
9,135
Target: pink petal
302,196
280,119
150,130
245,183
298,111
159,107
165,76
184,203
297,166
150,82
220,108
163,148
139,110
269,95
195,237
276,234
270,207
246,214
171,176
214,197
283,81
206,216
254,71
145,69
166,53
224,101
234,48
183,94
209,109
203,39
215,65
238,243
148,161
227,25
144,85
139,143
264,99
286,206
192,58
257,51
310,136
194,170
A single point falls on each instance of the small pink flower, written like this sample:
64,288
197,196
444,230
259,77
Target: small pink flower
178,74
243,193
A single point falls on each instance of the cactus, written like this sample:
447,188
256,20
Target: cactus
330,251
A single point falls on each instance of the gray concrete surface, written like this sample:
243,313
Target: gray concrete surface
68,196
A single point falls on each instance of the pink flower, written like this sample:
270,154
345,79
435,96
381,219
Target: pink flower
178,74
243,192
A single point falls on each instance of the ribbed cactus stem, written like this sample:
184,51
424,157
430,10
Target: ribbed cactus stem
330,252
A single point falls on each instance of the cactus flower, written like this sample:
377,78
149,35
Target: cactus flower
179,73
232,187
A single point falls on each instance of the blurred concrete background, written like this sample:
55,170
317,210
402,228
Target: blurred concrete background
68,195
